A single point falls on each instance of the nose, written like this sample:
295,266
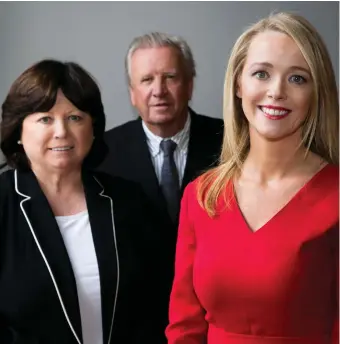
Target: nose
60,129
277,90
159,87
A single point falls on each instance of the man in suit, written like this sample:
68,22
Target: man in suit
169,144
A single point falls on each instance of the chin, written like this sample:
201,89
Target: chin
161,119
275,136
65,166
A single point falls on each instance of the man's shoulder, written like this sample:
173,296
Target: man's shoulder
108,181
207,124
207,120
123,129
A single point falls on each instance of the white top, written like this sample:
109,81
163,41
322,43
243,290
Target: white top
180,154
77,235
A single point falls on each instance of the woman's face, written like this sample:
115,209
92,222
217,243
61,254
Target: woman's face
58,139
275,87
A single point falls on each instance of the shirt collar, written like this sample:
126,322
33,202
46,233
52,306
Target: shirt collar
181,138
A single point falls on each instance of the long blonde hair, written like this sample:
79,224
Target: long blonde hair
320,131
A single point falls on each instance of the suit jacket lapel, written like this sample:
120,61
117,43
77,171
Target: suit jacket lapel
41,222
195,149
101,215
141,160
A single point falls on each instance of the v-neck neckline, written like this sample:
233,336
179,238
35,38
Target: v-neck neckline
285,208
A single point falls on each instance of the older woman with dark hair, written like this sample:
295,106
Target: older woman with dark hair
72,262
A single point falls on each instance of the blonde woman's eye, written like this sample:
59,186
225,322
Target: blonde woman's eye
261,75
297,79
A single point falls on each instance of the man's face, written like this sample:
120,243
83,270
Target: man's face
159,87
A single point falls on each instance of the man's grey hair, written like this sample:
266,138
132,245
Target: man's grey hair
158,39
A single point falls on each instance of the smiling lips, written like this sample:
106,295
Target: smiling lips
274,112
61,149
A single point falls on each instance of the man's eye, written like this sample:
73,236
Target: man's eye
146,79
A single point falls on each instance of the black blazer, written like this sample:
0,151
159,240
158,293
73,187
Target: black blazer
38,295
129,158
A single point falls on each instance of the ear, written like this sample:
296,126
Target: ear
190,88
132,95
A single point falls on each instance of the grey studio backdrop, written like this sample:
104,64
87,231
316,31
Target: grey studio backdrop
97,35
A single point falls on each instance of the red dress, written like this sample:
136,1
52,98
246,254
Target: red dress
278,285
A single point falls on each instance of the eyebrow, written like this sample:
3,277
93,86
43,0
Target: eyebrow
269,65
67,113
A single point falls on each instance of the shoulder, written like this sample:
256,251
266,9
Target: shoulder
121,190
329,186
191,191
8,196
332,171
208,122
204,126
328,179
116,183
6,181
122,130
128,197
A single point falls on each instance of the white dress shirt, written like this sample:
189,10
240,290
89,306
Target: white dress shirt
180,154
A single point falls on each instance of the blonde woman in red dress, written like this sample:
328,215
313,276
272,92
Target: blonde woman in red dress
257,250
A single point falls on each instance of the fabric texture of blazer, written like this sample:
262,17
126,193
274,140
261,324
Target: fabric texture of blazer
129,157
38,294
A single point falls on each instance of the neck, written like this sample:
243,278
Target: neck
58,182
273,160
169,129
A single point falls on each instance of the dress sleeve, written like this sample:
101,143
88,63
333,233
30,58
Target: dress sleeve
187,322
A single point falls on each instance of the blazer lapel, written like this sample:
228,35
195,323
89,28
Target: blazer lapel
100,209
45,231
195,151
141,161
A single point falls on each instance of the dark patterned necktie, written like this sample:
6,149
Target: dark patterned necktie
169,178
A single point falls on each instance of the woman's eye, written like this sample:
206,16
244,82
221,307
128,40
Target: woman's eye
45,120
297,79
261,75
74,118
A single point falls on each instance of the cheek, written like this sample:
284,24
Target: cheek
33,135
250,99
251,92
303,103
179,93
306,101
140,97
85,136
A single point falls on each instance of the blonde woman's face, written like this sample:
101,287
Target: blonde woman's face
275,86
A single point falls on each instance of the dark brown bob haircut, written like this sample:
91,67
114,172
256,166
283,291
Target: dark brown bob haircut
35,90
